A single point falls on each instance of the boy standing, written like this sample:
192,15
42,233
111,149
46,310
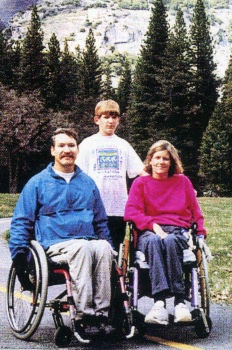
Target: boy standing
109,159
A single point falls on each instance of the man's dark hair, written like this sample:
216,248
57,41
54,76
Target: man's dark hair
67,131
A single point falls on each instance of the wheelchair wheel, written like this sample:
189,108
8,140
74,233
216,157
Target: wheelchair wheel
200,329
120,319
25,308
203,325
203,282
63,336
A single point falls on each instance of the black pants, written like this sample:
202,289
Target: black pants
117,227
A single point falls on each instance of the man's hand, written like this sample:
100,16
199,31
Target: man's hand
22,270
158,230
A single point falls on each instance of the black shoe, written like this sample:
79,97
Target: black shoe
92,328
80,333
105,326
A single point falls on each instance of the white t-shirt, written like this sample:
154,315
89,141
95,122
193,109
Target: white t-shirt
107,159
66,176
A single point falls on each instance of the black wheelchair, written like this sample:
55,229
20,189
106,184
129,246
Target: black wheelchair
135,285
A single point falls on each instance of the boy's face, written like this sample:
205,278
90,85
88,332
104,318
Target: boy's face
65,152
107,123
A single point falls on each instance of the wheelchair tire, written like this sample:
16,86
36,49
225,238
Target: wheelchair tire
25,308
117,314
140,325
201,330
203,282
63,336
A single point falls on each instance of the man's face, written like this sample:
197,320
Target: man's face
65,152
107,123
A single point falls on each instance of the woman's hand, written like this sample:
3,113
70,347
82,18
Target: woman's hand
158,230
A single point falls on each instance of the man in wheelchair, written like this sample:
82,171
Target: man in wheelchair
61,207
163,205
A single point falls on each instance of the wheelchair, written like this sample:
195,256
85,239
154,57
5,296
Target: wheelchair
25,308
135,284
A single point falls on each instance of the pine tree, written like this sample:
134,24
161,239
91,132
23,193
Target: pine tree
108,91
32,57
91,68
124,87
69,77
89,78
52,87
146,109
179,125
15,58
216,148
205,82
5,64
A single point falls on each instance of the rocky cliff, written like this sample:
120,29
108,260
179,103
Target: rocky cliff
115,29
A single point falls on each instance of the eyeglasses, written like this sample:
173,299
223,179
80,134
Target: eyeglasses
110,114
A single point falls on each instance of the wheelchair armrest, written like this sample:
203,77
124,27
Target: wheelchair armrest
203,246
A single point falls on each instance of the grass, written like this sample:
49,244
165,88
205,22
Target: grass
218,222
7,204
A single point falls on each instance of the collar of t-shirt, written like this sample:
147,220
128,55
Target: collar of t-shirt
66,176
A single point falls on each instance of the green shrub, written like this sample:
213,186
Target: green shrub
6,235
134,4
95,5
95,25
88,23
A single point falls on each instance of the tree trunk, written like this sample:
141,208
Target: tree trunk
13,173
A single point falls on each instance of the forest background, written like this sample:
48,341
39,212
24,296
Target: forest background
170,90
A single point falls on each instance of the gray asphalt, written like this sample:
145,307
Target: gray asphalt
170,338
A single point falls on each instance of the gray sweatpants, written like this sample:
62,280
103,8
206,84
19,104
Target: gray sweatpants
90,269
165,258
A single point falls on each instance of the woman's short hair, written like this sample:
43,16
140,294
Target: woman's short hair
67,131
163,145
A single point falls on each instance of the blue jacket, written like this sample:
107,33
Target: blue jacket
55,210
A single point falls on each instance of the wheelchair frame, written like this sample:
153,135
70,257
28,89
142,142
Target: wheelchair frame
196,287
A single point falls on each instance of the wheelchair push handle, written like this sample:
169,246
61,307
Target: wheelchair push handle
194,227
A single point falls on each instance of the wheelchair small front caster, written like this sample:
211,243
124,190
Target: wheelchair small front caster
201,330
63,336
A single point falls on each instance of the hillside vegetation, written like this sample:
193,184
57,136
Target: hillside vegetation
120,26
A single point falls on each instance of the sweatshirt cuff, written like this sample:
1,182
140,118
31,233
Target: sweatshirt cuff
150,226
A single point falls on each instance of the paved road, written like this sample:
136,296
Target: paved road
171,338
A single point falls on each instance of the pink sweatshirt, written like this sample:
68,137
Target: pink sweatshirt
167,202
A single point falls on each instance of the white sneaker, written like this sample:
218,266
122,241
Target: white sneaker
188,256
182,313
158,314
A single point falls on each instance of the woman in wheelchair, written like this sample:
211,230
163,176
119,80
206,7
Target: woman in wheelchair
163,205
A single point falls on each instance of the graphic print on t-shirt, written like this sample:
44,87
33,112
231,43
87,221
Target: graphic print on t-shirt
107,159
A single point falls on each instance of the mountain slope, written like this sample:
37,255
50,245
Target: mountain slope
115,29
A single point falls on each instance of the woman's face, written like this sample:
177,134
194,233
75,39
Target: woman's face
160,163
